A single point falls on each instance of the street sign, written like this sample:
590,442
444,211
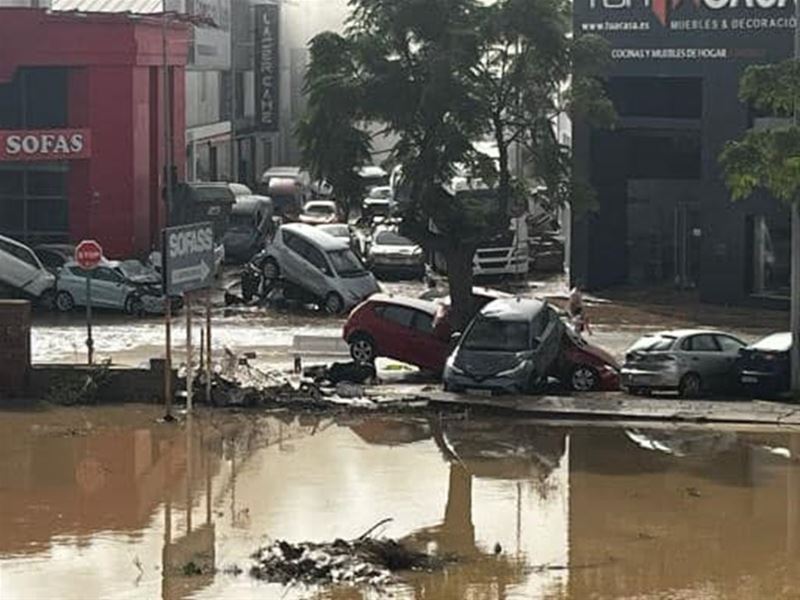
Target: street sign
88,254
188,258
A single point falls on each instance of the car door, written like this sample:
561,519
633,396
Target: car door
108,288
397,330
545,330
705,357
428,350
729,347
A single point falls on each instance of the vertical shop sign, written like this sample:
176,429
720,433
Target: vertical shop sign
267,66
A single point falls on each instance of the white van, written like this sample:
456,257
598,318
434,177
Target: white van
319,263
22,270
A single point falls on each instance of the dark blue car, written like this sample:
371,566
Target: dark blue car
763,367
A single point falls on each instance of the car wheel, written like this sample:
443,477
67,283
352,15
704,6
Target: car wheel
583,378
691,386
48,299
362,349
134,305
64,301
271,269
334,304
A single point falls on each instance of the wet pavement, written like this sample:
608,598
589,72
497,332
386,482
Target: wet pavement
109,503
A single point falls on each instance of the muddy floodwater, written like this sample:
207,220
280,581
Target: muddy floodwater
109,503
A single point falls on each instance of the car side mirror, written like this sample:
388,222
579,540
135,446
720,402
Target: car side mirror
455,337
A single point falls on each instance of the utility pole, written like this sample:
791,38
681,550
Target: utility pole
795,286
166,117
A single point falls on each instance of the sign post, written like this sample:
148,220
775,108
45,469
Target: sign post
188,264
88,255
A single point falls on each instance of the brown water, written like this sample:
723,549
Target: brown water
107,503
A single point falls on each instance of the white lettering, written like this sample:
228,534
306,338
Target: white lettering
30,144
13,145
61,145
191,242
76,143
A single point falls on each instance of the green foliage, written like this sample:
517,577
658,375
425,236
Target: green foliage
767,158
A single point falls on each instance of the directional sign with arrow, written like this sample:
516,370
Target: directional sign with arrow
188,253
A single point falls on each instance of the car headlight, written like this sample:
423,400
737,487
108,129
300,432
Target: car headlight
518,370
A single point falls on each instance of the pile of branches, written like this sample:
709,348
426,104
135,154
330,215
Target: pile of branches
363,561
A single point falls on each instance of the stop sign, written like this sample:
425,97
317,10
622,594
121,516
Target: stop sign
88,254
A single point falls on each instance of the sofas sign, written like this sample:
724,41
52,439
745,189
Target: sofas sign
46,144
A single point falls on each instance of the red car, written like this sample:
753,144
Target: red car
583,367
399,328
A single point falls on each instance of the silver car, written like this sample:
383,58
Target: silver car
690,361
508,347
128,286
391,253
319,263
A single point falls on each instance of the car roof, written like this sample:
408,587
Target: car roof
111,264
328,203
240,189
247,204
372,171
423,305
513,309
682,333
322,239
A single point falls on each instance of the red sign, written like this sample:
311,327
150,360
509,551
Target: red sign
45,144
88,254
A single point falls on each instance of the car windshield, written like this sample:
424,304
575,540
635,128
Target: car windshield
390,238
135,269
654,343
382,193
339,231
241,222
496,335
346,263
777,342
320,209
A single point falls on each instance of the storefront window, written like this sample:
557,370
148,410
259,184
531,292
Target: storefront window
771,255
34,207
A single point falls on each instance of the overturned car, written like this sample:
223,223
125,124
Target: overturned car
307,265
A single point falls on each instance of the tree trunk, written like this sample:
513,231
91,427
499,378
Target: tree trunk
504,179
459,274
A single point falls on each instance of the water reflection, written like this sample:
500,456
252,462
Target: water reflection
97,503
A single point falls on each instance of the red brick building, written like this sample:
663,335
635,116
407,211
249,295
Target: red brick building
82,126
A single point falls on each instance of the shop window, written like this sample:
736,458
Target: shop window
46,98
12,216
48,215
663,155
34,207
660,97
771,255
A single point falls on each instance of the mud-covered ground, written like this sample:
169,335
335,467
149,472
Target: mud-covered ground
111,503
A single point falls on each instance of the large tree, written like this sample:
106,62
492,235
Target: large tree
769,158
440,75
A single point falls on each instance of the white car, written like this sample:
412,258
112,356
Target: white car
128,286
320,264
391,253
22,270
319,212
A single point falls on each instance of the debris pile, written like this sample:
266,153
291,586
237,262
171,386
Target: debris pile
364,561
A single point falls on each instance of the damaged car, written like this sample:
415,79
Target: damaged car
303,258
692,362
399,328
584,367
129,286
22,271
510,346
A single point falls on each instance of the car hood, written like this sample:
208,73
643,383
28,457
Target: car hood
481,364
360,287
394,250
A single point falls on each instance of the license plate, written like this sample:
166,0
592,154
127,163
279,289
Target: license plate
479,392
747,379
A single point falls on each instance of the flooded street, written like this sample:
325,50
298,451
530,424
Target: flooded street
109,503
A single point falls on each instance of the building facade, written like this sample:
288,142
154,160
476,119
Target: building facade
664,214
82,129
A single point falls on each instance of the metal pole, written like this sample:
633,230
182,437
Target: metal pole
795,263
89,339
189,366
208,364
168,357
167,117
